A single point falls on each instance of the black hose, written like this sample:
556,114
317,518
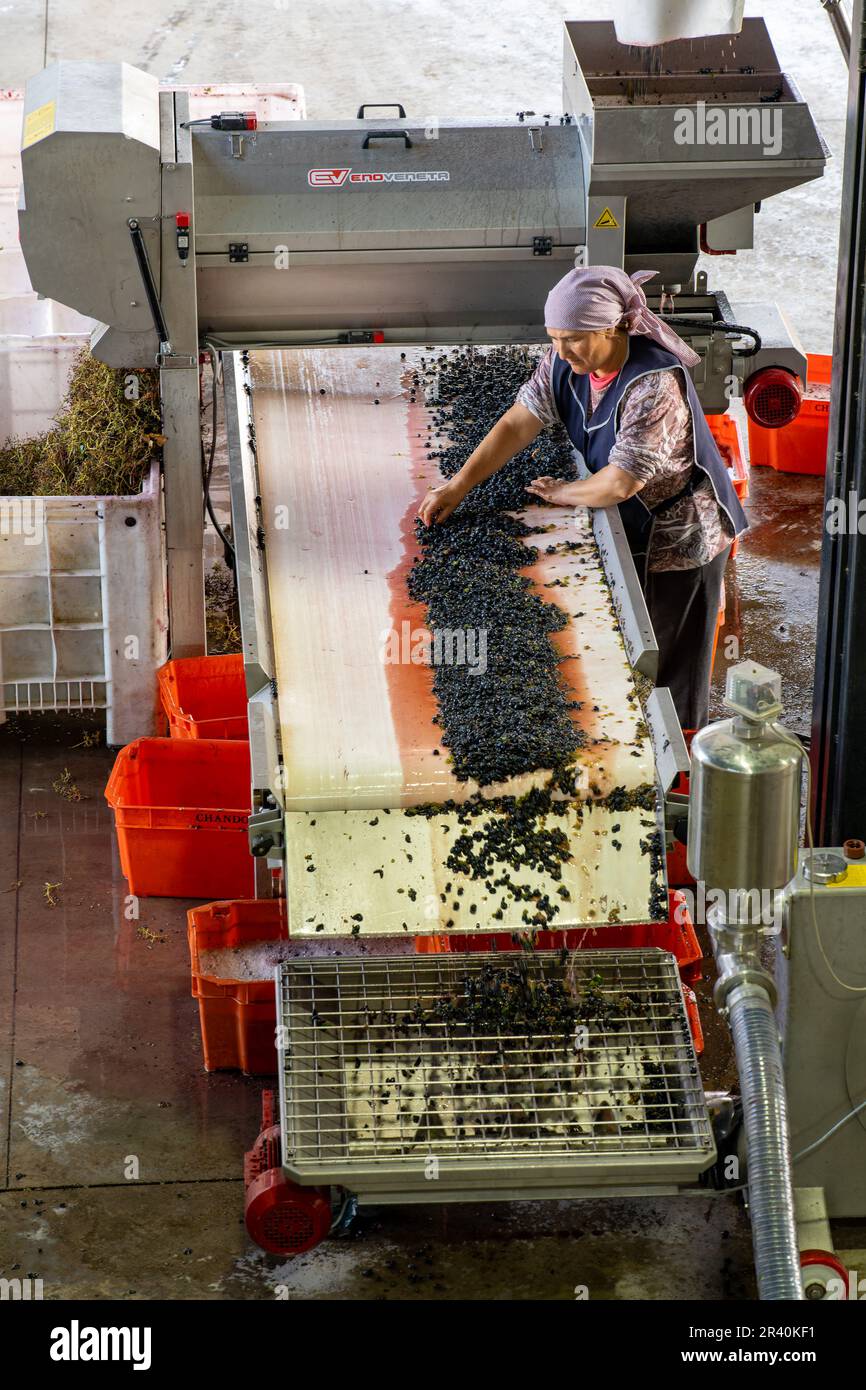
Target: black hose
208,470
718,326
207,467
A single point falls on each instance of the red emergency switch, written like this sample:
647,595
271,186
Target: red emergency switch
235,120
181,231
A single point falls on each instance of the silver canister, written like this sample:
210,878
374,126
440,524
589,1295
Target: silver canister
744,798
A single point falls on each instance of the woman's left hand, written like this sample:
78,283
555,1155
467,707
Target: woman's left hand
553,490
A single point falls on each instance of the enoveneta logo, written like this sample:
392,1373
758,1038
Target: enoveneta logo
77,1343
337,178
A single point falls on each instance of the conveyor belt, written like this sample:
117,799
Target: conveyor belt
340,479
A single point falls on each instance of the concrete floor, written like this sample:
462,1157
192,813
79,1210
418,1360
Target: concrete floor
771,589
100,1063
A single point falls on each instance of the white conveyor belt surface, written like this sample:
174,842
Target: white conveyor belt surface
341,478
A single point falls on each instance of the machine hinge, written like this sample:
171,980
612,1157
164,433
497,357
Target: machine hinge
239,251
542,246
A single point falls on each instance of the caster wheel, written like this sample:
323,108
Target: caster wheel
824,1276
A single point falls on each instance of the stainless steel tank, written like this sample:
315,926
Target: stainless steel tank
744,799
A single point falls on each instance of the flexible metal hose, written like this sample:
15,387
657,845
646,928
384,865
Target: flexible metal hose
765,1115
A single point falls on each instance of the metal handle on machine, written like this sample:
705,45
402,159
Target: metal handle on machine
386,135
143,260
364,104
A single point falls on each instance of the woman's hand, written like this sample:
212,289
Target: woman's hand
553,490
440,502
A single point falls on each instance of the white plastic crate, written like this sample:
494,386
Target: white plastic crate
83,607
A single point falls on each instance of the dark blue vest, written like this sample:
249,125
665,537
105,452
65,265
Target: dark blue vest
595,440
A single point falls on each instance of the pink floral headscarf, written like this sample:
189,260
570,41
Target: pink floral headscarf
601,296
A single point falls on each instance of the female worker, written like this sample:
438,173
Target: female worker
615,376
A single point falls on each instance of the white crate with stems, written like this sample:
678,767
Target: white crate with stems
83,607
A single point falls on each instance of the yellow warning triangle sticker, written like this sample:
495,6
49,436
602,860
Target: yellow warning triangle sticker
607,219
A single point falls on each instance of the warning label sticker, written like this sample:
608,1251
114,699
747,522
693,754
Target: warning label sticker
38,124
606,219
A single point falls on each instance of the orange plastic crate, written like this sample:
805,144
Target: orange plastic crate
678,869
720,623
726,433
800,447
238,1017
180,811
204,697
676,935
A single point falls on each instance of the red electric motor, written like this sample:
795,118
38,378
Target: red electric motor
280,1216
772,397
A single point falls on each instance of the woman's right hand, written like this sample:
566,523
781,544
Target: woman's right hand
440,502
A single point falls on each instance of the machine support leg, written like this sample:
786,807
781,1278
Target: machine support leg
179,385
184,524
813,1223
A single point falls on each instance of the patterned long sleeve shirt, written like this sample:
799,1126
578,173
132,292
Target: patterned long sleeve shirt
654,444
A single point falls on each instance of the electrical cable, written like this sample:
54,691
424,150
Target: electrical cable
830,1132
853,989
718,326
795,743
207,464
207,472
345,1216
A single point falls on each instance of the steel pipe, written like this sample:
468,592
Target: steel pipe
841,27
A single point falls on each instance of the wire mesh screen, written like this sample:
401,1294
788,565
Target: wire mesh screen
490,1060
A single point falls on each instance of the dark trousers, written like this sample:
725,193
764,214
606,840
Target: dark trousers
684,609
